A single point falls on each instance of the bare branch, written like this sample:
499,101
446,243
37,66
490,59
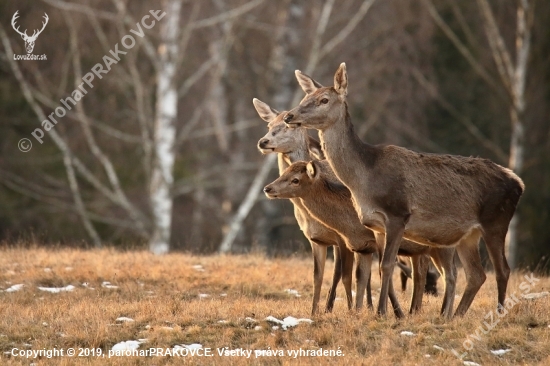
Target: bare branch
233,13
498,47
321,27
132,211
247,204
478,68
345,32
73,184
465,121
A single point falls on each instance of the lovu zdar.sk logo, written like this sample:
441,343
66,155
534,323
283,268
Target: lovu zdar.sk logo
29,40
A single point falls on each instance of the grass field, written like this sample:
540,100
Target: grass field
222,302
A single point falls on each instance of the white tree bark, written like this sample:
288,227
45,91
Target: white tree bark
162,178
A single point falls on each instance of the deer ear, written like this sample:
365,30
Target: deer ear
315,149
341,80
307,83
267,113
311,169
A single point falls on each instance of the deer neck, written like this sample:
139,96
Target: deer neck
345,151
300,153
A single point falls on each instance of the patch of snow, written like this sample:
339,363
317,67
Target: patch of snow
471,363
223,295
407,333
203,296
198,267
15,288
188,346
167,328
56,290
288,322
275,327
147,327
223,321
87,285
427,356
258,327
128,345
45,324
438,347
124,319
107,284
293,292
535,295
500,352
250,320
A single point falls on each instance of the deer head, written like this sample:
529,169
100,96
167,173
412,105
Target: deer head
29,40
294,182
322,106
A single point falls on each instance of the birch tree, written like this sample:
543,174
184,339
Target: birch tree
512,68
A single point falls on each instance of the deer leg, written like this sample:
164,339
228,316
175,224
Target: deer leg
443,259
394,303
319,258
337,275
494,241
369,292
394,233
347,273
403,274
468,252
362,277
420,264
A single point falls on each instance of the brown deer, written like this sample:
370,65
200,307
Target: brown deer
432,199
299,146
406,272
329,201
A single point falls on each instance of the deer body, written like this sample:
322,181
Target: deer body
297,147
329,201
435,200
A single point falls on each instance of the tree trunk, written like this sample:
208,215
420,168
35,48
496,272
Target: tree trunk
164,132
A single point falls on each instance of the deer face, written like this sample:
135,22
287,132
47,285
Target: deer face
29,40
322,106
279,138
295,182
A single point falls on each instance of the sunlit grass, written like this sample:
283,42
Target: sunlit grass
162,295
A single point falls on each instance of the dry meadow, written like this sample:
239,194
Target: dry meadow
221,302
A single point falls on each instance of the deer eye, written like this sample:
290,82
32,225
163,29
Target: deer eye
324,100
295,181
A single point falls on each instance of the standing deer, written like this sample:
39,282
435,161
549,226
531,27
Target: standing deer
329,201
432,199
295,147
29,40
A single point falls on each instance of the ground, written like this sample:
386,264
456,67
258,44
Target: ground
219,302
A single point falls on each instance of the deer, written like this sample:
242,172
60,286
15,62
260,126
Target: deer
294,147
432,199
406,272
29,40
329,201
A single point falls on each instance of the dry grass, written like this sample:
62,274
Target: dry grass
160,292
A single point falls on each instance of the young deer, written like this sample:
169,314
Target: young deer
329,201
299,146
432,199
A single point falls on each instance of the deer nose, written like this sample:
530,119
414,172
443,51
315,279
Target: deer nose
267,189
288,117
263,142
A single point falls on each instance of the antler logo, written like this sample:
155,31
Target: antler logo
29,40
